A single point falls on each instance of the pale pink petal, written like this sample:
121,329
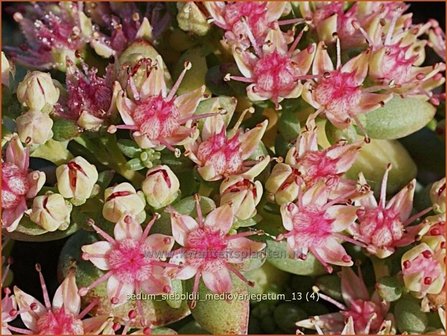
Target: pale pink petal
218,281
67,295
97,252
187,103
332,322
275,9
213,125
155,84
125,289
251,139
359,66
402,202
36,180
287,213
158,282
345,156
352,286
15,153
11,217
221,218
322,61
160,243
24,302
181,226
371,101
317,195
240,249
333,252
343,216
94,325
127,228
186,272
304,58
125,108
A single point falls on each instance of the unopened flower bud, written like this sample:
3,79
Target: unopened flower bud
51,212
423,270
243,194
191,19
123,199
37,90
437,195
34,127
7,70
76,179
283,183
161,186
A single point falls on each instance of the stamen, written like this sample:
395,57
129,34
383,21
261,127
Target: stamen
239,275
101,232
187,66
328,298
418,215
298,39
84,290
384,185
149,226
229,77
199,210
46,297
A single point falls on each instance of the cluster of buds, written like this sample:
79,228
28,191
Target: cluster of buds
38,93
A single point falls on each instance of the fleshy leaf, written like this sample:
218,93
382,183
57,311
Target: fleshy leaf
398,118
373,159
53,151
409,317
277,255
220,316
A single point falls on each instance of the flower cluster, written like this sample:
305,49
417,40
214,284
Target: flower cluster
197,156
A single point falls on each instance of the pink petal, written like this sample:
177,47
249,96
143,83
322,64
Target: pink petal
402,202
322,61
333,252
220,219
98,248
126,289
240,249
127,228
218,281
186,272
187,103
343,216
125,108
67,295
24,301
345,156
11,217
251,139
157,283
155,84
160,243
17,154
372,101
287,213
352,287
181,226
93,325
359,66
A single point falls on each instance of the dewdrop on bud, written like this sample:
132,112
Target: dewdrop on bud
437,195
34,127
51,212
123,199
161,186
37,90
76,179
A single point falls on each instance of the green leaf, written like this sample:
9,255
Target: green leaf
31,232
177,289
409,317
278,256
286,315
129,148
53,151
373,159
399,118
390,288
157,311
265,276
220,316
330,285
64,129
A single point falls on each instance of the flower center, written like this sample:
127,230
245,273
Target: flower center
362,312
206,245
396,65
221,153
338,93
311,227
129,260
59,322
156,117
14,185
316,165
275,74
380,227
